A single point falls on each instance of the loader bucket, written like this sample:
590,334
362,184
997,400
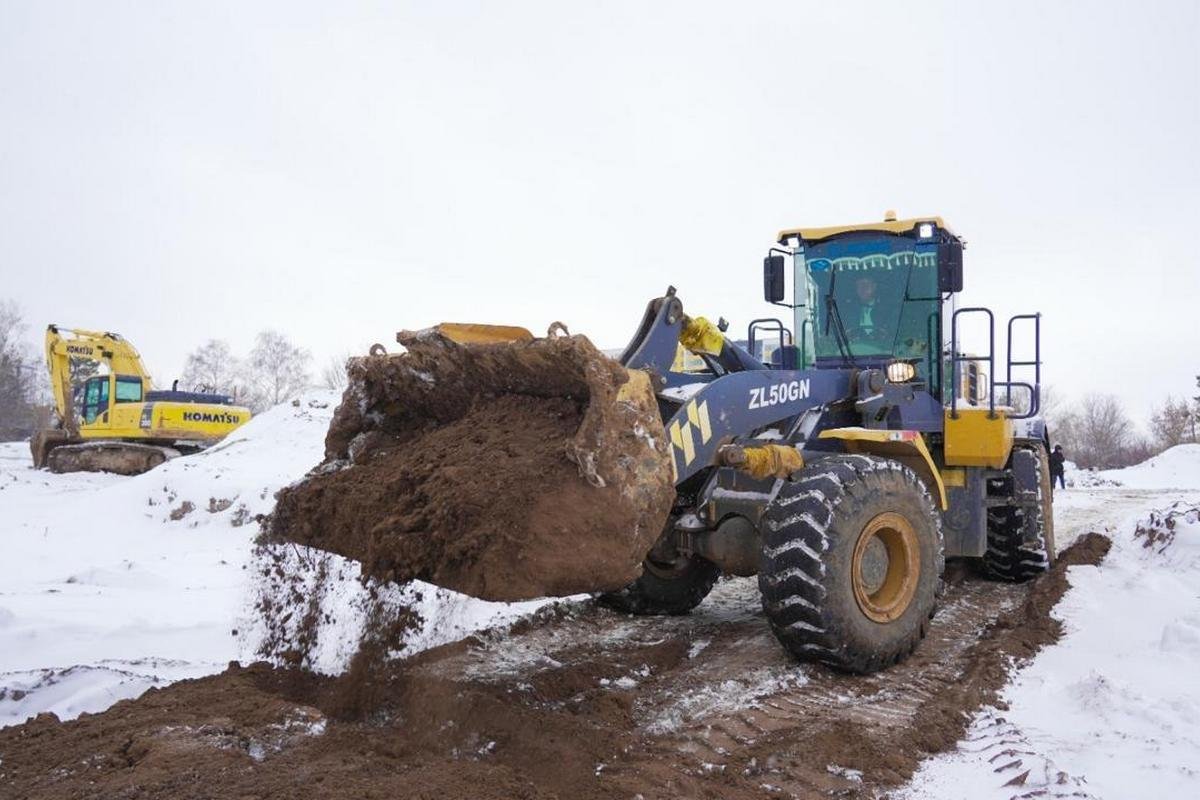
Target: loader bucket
506,470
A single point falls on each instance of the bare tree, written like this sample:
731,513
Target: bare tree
1064,430
278,369
1051,404
19,375
1060,419
212,367
333,374
81,369
1138,449
1098,433
1171,423
1020,398
1195,410
12,326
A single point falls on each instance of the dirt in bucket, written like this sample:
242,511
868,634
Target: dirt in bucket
504,471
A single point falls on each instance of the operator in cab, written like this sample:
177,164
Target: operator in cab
863,312
869,323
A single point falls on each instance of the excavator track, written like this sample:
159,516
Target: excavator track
121,458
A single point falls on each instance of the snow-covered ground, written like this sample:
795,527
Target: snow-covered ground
110,585
1113,709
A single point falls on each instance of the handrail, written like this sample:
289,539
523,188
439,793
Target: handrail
785,335
807,321
1035,391
1033,397
955,358
934,362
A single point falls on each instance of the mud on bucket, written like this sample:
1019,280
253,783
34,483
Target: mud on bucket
506,471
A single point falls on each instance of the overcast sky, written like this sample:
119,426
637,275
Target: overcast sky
339,171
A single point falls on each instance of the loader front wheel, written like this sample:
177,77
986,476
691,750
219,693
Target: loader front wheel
852,557
666,588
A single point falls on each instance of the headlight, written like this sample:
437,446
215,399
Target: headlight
900,372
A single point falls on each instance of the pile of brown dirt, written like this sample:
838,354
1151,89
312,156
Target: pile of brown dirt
504,471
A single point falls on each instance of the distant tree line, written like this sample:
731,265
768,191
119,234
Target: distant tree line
1096,432
276,369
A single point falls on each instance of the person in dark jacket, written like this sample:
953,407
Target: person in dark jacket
1057,473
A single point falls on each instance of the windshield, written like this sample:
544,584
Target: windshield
871,297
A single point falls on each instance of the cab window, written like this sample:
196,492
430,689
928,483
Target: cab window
129,390
95,398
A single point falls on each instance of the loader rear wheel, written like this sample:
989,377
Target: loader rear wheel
666,588
1020,539
852,558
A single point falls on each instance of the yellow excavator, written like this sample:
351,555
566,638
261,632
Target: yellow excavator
122,424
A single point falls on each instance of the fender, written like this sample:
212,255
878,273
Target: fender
907,447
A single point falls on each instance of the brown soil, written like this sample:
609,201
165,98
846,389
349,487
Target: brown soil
569,706
506,471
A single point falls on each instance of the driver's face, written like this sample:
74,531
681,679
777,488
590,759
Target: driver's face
865,288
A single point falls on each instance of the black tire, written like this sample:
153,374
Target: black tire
814,532
666,589
1020,542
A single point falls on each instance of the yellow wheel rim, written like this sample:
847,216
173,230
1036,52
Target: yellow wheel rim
886,567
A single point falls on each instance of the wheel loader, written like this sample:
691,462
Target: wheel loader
122,425
843,472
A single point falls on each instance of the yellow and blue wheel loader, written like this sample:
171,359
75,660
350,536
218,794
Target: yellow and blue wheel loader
842,472
845,471
119,423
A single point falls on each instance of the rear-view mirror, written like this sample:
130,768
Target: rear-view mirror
950,267
773,278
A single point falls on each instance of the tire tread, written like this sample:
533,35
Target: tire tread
793,582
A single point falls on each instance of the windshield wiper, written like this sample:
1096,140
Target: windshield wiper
832,314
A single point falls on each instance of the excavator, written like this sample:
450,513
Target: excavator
121,425
843,471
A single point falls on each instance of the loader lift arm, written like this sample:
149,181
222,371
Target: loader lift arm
741,395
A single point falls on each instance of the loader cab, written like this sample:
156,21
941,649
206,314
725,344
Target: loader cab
866,296
883,296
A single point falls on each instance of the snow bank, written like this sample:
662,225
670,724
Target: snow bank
1113,710
1176,468
110,585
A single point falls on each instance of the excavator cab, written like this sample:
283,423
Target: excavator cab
101,393
95,399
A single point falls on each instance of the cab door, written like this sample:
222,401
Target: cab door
95,399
